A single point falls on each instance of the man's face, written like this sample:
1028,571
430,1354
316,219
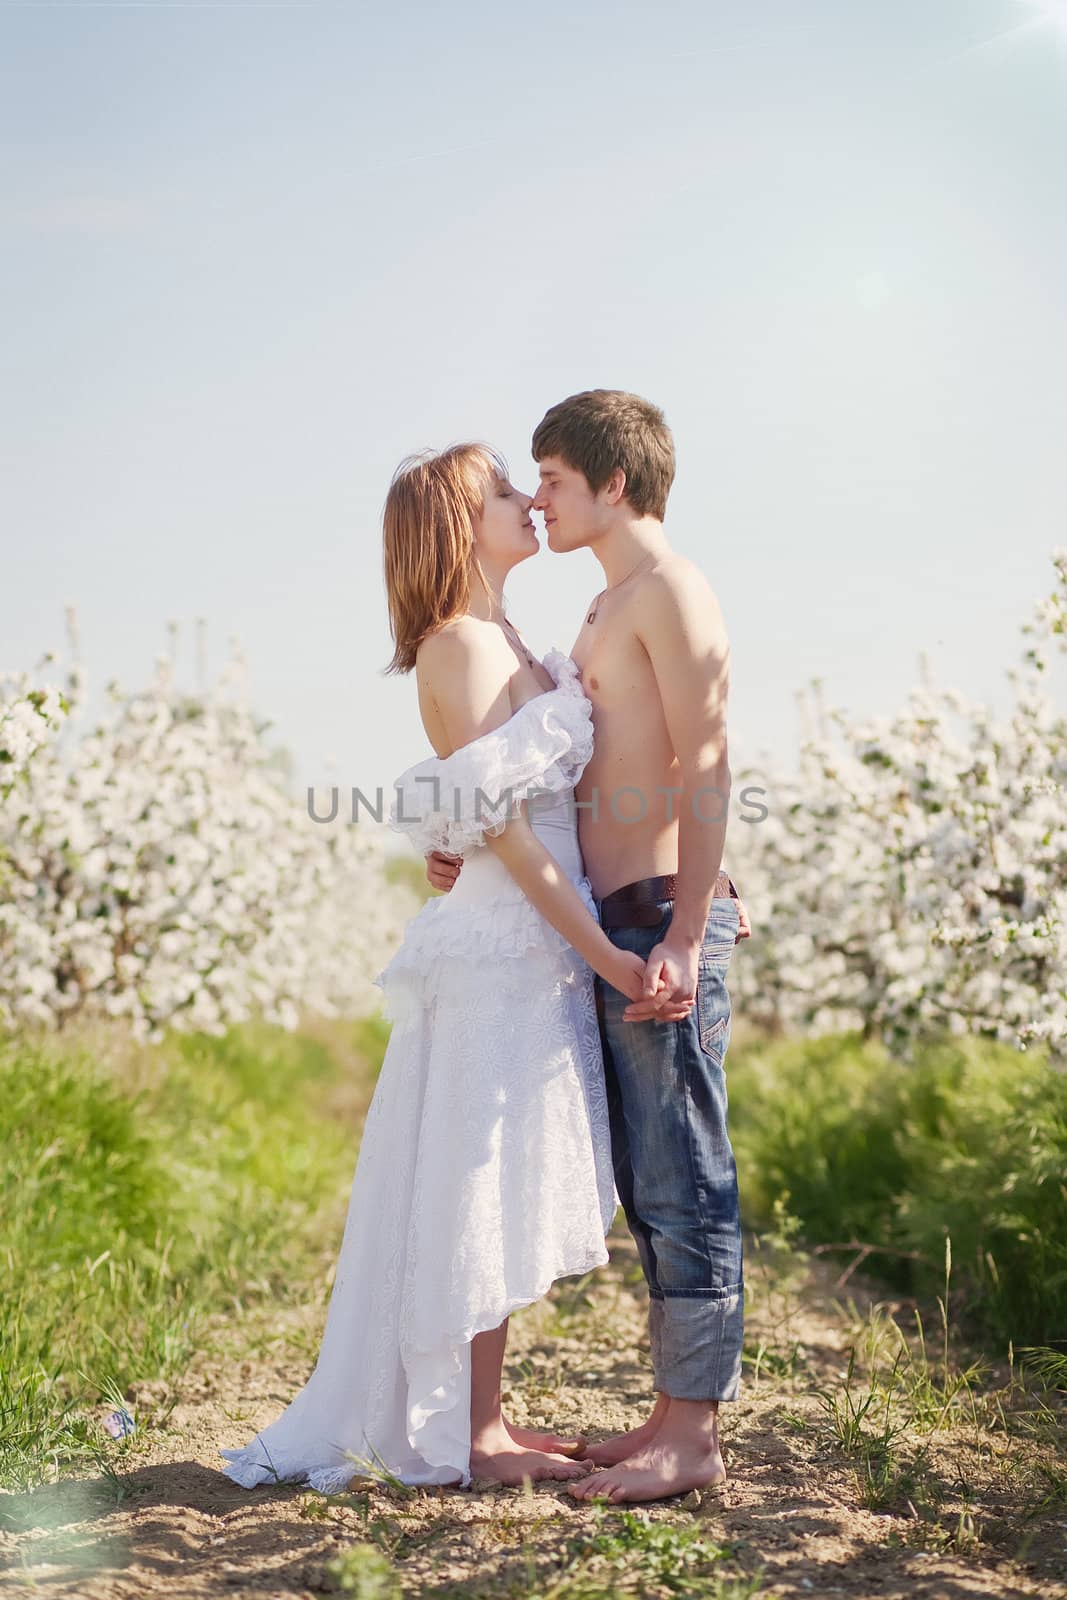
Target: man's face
571,510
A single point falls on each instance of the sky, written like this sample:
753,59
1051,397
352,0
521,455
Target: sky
252,255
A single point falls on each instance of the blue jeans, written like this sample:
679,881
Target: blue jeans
674,1165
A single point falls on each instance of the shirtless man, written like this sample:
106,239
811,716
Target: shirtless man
654,659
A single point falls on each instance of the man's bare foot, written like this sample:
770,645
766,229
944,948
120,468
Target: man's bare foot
496,1455
557,1444
659,1470
611,1451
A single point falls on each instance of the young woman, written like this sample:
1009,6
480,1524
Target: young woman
484,1172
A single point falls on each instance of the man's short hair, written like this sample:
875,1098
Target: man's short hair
604,430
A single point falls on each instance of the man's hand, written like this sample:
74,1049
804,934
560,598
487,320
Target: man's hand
676,967
671,1004
442,869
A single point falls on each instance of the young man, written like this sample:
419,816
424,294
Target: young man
654,659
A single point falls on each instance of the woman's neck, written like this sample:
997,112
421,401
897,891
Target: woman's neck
487,607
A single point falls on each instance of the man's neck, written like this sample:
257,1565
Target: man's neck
625,547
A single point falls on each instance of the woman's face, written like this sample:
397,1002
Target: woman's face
504,534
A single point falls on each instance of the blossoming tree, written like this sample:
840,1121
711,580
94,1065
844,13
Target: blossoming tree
157,868
912,876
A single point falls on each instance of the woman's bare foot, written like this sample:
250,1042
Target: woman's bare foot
654,1473
496,1455
611,1451
499,1451
557,1444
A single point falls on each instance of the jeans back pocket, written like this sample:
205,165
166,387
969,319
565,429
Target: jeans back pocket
713,999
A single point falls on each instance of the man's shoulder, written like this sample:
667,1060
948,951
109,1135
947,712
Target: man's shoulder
673,578
677,611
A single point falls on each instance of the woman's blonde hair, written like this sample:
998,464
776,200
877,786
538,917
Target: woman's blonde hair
434,501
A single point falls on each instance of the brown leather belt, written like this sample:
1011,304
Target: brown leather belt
637,905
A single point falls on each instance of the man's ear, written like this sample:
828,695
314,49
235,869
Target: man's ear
615,488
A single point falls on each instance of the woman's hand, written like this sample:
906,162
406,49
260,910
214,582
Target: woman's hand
624,970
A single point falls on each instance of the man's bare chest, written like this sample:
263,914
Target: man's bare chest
615,668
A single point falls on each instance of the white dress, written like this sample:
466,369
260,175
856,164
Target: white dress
484,1171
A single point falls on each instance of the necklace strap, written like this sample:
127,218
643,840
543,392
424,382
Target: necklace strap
613,586
503,621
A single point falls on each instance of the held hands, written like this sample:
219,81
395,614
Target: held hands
663,988
668,992
649,996
624,970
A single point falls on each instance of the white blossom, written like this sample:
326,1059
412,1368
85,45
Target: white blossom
157,869
912,874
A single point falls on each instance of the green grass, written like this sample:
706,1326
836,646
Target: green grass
364,1572
146,1190
140,1196
618,1555
630,1554
967,1142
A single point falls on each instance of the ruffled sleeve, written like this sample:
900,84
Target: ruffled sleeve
451,803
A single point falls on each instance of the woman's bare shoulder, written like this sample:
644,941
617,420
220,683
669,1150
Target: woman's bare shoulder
463,676
459,645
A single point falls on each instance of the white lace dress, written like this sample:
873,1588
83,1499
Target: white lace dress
484,1172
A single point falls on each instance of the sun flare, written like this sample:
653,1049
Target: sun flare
1036,19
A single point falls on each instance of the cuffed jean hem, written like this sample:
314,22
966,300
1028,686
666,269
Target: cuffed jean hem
695,1343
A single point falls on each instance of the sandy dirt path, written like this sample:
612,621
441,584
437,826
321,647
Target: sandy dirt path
971,1511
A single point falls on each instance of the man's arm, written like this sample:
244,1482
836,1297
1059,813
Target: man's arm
442,870
682,629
